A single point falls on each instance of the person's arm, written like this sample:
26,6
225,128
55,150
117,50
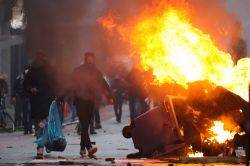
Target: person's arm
5,87
105,87
14,90
28,83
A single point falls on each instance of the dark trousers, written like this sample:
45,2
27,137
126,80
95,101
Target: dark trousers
97,116
95,120
132,102
118,108
60,107
18,111
137,106
85,110
27,121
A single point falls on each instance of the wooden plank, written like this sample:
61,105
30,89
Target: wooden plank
210,159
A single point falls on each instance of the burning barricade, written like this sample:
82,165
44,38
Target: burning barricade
202,93
206,120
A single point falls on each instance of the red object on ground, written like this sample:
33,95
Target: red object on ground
66,109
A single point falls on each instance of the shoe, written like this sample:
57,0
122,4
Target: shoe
25,132
83,152
92,151
31,132
98,126
93,132
39,154
47,150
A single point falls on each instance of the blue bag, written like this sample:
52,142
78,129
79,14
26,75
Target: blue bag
53,138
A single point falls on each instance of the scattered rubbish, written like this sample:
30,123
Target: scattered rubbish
61,157
129,164
66,163
109,159
121,149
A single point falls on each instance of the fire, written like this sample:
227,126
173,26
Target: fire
177,52
107,22
219,134
194,153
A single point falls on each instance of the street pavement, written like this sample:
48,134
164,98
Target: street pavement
16,148
19,149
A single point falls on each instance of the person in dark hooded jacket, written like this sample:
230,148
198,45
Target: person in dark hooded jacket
87,85
39,83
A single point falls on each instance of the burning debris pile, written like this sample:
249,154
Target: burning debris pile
185,61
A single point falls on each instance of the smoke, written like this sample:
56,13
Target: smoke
216,20
212,17
66,30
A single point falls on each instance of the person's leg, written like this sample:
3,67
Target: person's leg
85,112
60,107
39,126
18,111
91,127
25,120
72,110
97,118
116,109
132,107
120,109
29,122
16,115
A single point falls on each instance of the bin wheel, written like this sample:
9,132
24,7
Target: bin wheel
126,132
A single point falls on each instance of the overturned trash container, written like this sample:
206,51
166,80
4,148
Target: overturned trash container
155,133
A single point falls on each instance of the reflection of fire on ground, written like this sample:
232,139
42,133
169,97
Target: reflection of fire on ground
184,60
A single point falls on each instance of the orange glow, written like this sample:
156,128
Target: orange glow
219,134
107,22
194,153
177,52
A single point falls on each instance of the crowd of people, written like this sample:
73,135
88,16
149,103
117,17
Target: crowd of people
37,86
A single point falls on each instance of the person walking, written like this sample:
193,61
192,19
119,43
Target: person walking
3,89
87,84
21,101
136,93
118,89
39,83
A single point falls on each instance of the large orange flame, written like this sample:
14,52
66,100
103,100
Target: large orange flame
177,52
219,134
193,153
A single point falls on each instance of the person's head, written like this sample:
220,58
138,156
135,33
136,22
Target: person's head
89,58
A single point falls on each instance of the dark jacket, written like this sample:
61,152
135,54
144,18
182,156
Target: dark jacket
18,89
42,78
3,87
118,87
135,84
87,83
